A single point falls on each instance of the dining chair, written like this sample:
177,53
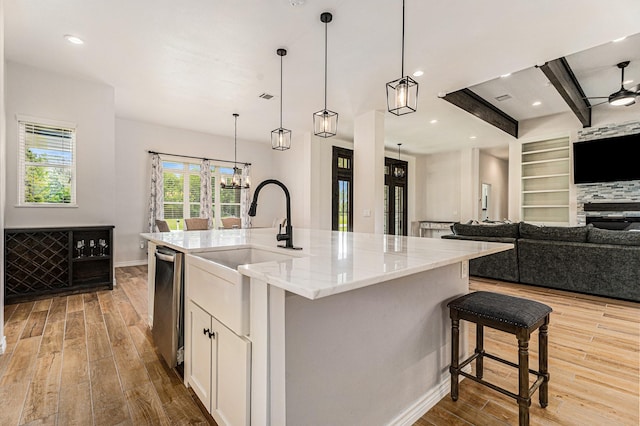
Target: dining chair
231,222
162,225
196,224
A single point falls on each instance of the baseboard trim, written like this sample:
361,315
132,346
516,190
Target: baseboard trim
3,344
130,263
425,403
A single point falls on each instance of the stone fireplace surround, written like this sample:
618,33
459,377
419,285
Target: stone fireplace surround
615,197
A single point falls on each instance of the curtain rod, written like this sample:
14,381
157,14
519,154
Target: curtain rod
199,158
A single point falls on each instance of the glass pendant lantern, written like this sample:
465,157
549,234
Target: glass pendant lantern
281,137
398,170
325,122
236,179
402,93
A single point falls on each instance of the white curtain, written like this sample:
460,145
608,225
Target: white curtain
205,192
156,195
245,198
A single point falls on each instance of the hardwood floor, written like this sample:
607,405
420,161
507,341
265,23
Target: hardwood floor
89,359
594,363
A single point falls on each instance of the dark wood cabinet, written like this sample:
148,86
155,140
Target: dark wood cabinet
40,262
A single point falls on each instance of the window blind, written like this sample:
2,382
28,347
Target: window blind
47,163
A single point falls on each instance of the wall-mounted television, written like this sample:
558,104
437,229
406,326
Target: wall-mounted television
607,160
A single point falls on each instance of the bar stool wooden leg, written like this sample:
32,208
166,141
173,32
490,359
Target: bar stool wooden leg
455,351
524,400
479,350
543,342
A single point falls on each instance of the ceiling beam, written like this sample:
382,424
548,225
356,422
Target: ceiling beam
474,104
561,76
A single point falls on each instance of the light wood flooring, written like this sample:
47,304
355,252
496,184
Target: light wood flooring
89,359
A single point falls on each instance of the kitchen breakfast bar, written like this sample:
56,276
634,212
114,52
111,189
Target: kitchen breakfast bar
352,329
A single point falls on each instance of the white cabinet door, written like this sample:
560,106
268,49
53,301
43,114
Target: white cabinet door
234,374
202,349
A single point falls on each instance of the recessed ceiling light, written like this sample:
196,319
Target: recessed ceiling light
434,121
505,75
536,103
73,39
473,137
627,82
418,73
619,39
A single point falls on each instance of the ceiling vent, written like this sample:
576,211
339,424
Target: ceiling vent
502,98
265,96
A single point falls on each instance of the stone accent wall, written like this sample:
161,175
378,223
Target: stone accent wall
612,192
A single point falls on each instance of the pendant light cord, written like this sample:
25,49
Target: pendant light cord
402,73
235,141
325,65
280,92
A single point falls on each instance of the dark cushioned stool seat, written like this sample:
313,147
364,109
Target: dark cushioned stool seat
512,315
499,307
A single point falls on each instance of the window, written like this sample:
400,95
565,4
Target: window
342,190
229,198
182,193
47,163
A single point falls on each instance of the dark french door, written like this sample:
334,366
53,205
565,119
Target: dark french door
342,190
395,196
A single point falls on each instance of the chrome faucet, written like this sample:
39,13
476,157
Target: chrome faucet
287,236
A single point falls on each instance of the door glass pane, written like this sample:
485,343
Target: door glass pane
399,213
386,209
343,205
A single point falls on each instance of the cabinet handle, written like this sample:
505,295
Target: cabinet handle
212,334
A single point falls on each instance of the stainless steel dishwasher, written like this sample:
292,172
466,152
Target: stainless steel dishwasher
168,322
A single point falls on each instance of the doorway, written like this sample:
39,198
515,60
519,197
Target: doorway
395,196
485,202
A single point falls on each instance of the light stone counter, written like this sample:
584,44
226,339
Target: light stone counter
331,262
352,329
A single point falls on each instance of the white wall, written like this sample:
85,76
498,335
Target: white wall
38,93
3,183
133,141
440,187
495,172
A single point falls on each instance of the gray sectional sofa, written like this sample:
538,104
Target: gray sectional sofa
583,259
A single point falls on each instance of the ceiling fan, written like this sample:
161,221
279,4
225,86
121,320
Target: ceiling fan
623,97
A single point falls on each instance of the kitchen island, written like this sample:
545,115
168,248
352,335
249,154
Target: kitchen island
351,330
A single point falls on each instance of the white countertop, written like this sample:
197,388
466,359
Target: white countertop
331,262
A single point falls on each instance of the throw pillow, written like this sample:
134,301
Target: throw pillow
607,236
504,231
576,234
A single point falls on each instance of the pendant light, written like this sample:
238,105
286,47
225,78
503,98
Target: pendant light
398,170
236,180
402,94
281,137
325,122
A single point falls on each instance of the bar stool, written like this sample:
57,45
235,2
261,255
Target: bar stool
513,315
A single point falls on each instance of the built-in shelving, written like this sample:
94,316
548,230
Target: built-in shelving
545,181
40,262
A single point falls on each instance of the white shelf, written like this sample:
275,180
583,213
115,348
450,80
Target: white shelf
545,176
539,191
553,160
545,150
553,206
